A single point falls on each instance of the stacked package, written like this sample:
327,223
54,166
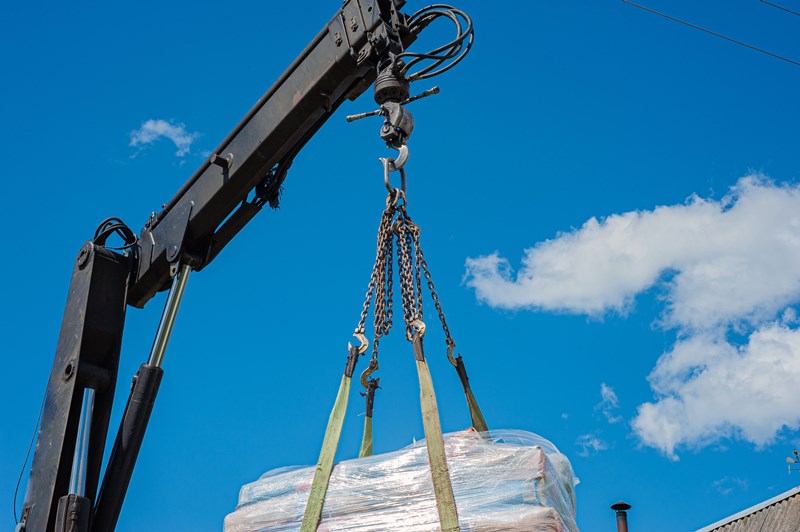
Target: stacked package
502,480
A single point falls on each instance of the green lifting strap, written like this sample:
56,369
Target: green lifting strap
478,421
322,475
366,441
442,488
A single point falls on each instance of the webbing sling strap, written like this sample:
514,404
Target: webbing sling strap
475,414
442,488
333,432
366,440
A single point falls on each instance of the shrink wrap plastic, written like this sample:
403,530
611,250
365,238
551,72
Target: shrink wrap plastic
503,480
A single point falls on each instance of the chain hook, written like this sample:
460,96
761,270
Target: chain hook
361,337
450,348
372,368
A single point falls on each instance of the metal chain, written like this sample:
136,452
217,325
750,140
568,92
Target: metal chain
396,226
413,243
423,264
406,272
384,233
389,283
384,288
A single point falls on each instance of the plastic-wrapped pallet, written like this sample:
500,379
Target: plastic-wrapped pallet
502,480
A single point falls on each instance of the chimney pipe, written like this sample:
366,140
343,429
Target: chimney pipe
622,515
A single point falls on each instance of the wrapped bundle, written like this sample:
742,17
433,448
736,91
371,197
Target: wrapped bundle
502,480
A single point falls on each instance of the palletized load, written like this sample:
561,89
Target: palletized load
502,480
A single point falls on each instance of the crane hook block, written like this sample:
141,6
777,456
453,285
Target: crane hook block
398,124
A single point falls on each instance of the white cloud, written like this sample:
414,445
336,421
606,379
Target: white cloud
609,403
728,272
589,444
155,129
707,389
727,485
729,260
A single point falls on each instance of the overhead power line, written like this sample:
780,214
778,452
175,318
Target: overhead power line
715,34
795,13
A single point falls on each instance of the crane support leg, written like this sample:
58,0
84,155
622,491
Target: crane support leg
87,356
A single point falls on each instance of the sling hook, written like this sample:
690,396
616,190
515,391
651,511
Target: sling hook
372,368
450,348
420,325
362,339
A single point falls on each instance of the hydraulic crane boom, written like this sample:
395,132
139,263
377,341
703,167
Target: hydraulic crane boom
364,42
340,63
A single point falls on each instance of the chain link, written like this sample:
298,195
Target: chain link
384,234
423,264
397,228
413,237
383,291
406,271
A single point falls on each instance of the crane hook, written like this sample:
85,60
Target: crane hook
402,157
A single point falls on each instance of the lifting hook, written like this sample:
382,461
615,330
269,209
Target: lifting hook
450,348
363,341
420,325
372,368
400,161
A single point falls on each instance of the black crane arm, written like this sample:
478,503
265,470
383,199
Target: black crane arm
242,174
364,43
340,63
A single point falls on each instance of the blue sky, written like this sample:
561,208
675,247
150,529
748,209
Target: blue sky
656,346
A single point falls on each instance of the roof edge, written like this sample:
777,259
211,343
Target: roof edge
751,510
